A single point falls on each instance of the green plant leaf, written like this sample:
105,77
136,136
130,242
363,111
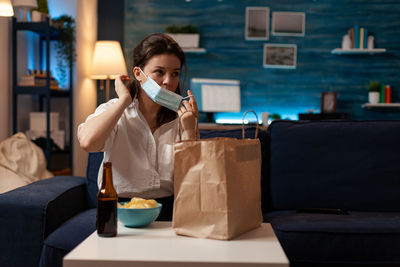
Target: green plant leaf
65,47
374,86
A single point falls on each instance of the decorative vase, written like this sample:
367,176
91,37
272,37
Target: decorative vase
373,97
346,42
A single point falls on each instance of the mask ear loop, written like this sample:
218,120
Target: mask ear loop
183,98
143,72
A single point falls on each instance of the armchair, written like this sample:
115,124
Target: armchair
35,219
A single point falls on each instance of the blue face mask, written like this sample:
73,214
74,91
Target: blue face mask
161,95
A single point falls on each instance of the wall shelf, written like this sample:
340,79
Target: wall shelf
194,50
381,105
340,51
41,90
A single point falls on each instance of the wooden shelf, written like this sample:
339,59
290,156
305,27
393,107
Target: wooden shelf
46,33
41,90
381,105
340,51
194,50
39,28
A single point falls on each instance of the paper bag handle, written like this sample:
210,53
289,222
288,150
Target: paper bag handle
243,136
196,127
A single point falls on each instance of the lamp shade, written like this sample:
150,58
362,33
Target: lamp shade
108,60
27,3
6,9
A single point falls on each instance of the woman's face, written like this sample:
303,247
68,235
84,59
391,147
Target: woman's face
164,69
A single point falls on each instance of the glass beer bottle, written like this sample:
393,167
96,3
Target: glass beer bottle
107,199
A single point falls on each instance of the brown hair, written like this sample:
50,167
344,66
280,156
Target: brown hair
156,44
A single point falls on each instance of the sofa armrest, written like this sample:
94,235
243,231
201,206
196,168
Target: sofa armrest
29,213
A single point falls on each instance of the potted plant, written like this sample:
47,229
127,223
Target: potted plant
275,116
374,89
186,36
65,47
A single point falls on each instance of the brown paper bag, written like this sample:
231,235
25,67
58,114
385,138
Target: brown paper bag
217,187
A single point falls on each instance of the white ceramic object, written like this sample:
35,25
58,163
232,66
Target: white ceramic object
346,42
186,40
37,16
373,97
370,44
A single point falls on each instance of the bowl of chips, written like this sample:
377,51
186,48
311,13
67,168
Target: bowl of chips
138,212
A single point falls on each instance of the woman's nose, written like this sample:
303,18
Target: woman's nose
167,79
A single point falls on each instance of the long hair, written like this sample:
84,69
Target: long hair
156,44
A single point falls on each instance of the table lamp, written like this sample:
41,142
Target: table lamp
23,7
108,63
6,9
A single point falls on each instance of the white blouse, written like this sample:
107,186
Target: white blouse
142,162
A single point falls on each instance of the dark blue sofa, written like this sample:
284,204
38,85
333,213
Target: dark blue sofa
354,166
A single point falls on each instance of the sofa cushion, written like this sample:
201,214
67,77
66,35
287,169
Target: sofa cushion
353,165
67,237
357,238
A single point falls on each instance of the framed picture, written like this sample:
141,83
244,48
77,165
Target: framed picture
257,23
288,23
283,56
328,102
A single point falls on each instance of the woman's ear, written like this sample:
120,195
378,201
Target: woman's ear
137,74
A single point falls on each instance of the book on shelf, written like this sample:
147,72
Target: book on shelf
37,80
351,35
365,42
356,37
385,95
359,37
382,94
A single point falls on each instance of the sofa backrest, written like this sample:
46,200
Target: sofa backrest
92,169
96,158
353,165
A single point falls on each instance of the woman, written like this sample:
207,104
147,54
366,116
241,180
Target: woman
135,132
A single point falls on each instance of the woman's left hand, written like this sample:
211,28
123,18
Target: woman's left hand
188,114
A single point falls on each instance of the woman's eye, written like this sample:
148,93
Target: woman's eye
159,72
175,74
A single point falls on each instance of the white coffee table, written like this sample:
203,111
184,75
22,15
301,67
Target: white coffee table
158,245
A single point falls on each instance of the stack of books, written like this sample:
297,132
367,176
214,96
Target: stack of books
385,94
359,37
37,79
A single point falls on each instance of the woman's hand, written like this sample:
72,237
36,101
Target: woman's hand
122,91
188,114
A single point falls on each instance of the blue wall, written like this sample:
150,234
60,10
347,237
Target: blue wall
287,92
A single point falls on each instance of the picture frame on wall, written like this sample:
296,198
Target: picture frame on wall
288,24
282,56
328,102
257,23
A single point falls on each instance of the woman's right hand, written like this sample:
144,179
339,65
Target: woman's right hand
121,89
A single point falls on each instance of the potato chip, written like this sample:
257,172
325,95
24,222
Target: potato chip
139,203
